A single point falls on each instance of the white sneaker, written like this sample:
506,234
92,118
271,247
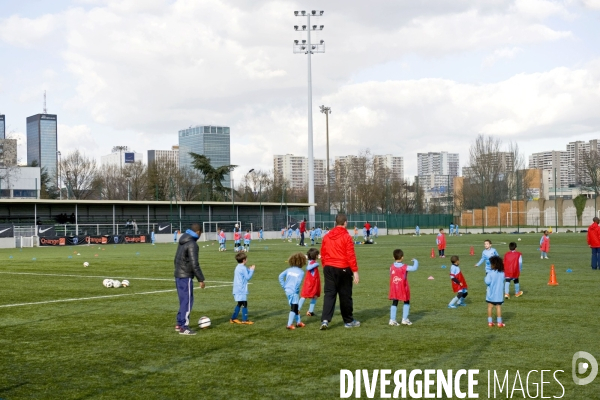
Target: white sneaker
546,258
393,322
406,322
541,257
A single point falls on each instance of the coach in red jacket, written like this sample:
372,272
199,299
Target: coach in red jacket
593,240
340,270
302,231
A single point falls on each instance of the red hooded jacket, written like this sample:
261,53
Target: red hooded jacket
593,235
337,249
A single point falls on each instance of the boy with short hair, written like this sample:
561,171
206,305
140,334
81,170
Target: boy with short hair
513,263
486,254
247,238
237,237
451,230
459,284
399,289
241,276
441,243
222,240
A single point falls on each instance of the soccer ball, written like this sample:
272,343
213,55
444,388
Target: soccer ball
116,283
86,264
204,322
108,283
237,225
519,239
125,283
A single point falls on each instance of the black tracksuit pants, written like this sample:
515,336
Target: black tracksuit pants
338,281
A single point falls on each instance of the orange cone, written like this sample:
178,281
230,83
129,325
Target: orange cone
472,251
552,281
432,253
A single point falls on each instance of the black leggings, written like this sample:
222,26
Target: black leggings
243,304
294,308
395,302
516,280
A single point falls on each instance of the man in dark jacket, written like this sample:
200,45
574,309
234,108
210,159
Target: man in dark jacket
340,270
186,267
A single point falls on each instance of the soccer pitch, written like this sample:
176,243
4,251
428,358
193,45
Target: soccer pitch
65,336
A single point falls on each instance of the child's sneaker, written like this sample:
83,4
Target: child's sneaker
177,328
310,314
491,324
462,304
300,325
546,257
235,321
519,294
501,325
324,326
541,257
393,322
291,327
186,331
450,306
507,296
353,324
247,323
406,322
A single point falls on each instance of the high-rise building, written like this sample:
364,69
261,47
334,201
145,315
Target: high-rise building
553,162
164,156
211,141
2,126
436,172
294,169
42,142
121,156
576,153
394,164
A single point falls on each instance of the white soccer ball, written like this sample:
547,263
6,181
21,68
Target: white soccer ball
107,283
519,239
204,322
116,283
237,225
86,264
125,283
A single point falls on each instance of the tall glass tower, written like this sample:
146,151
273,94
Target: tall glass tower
210,141
42,142
2,127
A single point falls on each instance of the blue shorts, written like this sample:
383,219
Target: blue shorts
246,242
293,298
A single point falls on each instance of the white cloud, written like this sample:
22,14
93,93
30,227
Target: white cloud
78,137
593,4
501,54
26,32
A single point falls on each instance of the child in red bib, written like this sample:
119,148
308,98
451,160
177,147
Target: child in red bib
459,284
399,289
311,289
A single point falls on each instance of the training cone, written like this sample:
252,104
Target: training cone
552,281
432,253
472,251
430,278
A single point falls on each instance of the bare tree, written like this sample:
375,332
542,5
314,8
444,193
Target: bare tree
79,173
590,170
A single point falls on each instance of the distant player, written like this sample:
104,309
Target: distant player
289,234
459,284
513,263
283,231
367,229
297,234
364,233
486,254
237,237
399,289
290,280
451,230
152,237
311,289
312,234
494,280
318,234
247,238
375,231
241,276
175,236
222,240
355,233
260,235
417,230
456,230
440,240
545,245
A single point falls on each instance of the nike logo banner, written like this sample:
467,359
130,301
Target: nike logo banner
7,230
46,230
164,227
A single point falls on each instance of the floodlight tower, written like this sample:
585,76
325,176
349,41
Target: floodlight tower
306,46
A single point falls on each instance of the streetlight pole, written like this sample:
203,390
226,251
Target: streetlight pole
58,177
246,181
327,111
308,48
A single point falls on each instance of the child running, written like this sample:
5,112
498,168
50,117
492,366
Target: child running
486,254
494,280
241,276
441,243
311,289
399,289
290,281
545,245
513,262
459,284
247,238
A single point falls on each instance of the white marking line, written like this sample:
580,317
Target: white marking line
92,276
98,297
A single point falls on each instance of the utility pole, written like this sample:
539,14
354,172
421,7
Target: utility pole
327,111
308,48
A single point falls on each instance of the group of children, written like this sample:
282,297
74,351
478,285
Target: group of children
237,237
315,234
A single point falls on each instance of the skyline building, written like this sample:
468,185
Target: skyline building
164,156
42,142
121,156
394,164
294,169
2,126
436,172
214,142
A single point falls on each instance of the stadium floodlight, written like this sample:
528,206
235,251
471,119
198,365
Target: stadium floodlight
296,42
321,12
322,26
296,13
296,27
309,48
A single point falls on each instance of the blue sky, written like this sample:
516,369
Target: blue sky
409,76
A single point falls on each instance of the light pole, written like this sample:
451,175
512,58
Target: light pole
58,176
246,181
68,182
308,48
327,111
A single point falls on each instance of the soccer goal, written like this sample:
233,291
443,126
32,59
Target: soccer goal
211,229
514,218
23,241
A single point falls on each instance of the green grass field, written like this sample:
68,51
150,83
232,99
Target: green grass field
103,346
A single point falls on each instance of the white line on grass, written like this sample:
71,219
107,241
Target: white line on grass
98,297
96,276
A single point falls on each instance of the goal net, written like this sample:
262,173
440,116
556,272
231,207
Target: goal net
23,241
211,229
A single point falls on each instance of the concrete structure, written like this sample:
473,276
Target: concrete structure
394,164
548,161
42,142
214,142
8,153
2,126
164,156
436,172
20,182
121,157
294,169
